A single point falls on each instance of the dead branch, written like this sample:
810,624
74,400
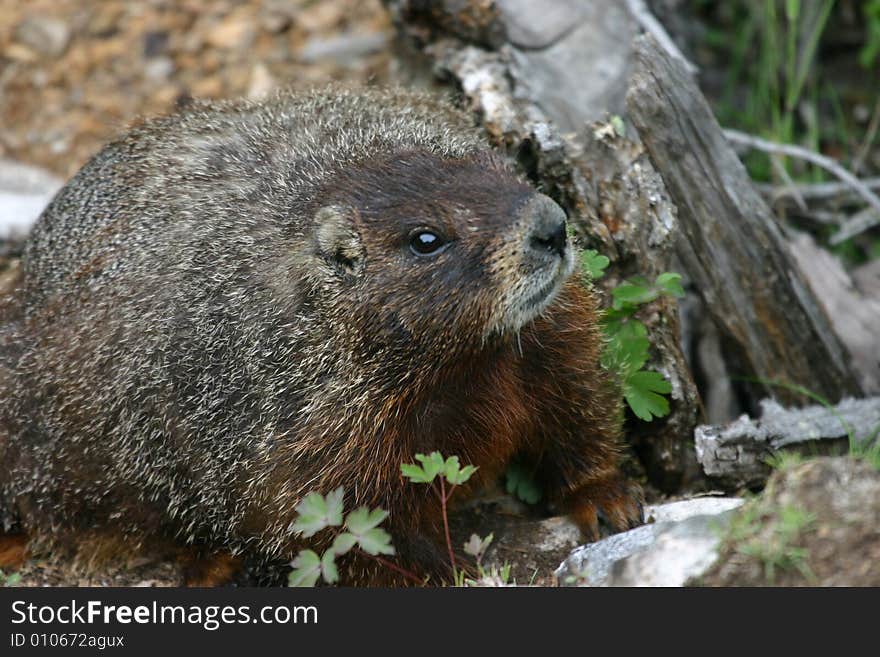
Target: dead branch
807,155
737,454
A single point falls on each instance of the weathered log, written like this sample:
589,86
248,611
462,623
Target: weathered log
563,65
736,454
730,243
854,312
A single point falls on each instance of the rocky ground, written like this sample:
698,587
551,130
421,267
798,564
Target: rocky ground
72,74
816,524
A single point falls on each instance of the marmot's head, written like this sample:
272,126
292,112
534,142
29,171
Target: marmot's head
438,255
377,217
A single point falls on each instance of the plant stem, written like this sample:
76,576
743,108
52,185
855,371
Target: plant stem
443,499
393,566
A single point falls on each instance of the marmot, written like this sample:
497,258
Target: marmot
231,307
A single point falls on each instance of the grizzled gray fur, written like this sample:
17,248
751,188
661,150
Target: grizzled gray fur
162,316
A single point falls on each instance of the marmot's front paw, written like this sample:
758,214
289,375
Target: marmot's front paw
614,500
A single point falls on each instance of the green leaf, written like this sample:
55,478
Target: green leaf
593,264
611,316
363,525
632,293
328,567
415,473
362,520
670,283
451,468
432,465
627,348
640,389
306,569
466,473
618,125
343,543
315,512
376,541
519,482
476,546
455,474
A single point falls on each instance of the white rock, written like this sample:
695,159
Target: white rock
680,550
45,35
680,543
344,49
684,509
24,192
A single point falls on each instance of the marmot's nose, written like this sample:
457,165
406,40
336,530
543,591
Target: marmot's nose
547,235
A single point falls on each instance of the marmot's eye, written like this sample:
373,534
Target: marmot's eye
426,242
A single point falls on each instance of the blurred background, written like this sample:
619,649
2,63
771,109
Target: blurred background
75,72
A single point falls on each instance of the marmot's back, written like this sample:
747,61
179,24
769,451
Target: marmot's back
178,178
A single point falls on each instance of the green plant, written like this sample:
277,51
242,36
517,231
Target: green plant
520,483
315,513
627,343
476,547
360,531
868,450
773,79
871,49
784,460
11,579
777,550
434,468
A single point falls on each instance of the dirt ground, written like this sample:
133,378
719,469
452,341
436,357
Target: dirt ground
816,524
73,73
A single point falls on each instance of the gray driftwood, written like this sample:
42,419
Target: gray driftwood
736,454
731,245
852,305
540,78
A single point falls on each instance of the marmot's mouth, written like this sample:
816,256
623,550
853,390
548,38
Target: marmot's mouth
531,297
540,299
537,301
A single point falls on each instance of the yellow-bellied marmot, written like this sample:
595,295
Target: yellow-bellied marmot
231,307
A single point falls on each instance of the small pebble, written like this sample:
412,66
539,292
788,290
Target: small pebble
47,36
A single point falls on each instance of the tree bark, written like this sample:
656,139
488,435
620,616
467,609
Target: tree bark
729,241
735,455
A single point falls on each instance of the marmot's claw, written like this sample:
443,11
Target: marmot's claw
615,502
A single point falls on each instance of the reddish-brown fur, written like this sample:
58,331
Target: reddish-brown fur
13,551
544,397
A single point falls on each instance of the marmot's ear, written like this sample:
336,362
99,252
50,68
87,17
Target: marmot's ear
338,240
